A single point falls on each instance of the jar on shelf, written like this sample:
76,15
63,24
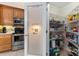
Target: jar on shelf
74,17
70,18
75,29
77,16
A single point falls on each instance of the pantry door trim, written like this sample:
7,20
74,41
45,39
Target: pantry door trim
25,30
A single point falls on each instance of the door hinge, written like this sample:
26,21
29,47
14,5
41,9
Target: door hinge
47,54
46,31
46,9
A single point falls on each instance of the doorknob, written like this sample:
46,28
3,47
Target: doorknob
26,35
46,31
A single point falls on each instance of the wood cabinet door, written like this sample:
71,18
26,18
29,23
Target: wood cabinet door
1,40
5,47
7,15
5,39
5,42
21,13
18,13
15,12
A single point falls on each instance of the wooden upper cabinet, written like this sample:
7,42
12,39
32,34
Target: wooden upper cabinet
18,13
21,13
7,15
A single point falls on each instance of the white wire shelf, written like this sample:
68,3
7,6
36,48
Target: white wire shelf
76,45
74,21
76,33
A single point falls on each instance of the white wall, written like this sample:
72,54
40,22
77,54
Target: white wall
53,10
14,4
67,9
63,11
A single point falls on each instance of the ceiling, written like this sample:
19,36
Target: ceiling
14,4
21,5
59,4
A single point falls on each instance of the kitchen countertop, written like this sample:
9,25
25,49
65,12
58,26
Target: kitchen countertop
5,33
12,34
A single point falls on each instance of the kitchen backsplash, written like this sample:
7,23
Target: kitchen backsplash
9,29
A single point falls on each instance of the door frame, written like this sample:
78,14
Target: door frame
44,28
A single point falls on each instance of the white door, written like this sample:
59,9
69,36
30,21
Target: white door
35,16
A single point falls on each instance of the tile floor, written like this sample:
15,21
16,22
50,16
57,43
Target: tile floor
13,53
